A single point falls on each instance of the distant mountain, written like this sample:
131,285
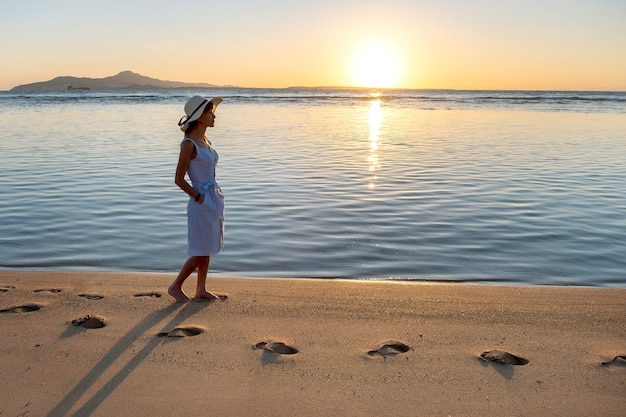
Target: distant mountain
125,80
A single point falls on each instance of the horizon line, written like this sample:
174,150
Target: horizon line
338,87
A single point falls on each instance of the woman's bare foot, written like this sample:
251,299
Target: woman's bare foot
178,294
205,295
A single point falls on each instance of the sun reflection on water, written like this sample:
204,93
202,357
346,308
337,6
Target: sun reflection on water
375,117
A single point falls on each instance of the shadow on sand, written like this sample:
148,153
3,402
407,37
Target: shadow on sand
65,405
506,370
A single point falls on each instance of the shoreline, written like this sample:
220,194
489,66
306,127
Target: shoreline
227,276
363,347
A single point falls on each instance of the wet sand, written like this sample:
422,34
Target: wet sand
104,344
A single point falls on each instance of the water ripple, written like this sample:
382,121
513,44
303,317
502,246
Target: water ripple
475,194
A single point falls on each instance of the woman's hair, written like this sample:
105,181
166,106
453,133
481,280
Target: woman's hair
192,125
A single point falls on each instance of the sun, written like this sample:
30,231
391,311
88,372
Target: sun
376,66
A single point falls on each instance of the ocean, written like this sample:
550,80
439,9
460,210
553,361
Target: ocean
495,187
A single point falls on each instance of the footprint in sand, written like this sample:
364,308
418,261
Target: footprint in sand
50,290
276,347
24,308
149,294
91,296
503,358
619,360
90,321
5,288
390,348
182,332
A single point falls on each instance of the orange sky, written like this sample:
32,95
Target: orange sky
455,44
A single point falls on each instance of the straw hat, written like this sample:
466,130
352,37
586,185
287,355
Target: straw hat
194,108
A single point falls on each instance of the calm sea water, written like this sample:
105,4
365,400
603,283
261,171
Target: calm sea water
484,186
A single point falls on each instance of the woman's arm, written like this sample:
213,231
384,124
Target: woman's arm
186,153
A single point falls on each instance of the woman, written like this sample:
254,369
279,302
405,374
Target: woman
205,209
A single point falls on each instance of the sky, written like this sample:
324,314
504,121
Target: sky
447,44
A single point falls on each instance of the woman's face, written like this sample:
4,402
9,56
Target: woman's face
208,117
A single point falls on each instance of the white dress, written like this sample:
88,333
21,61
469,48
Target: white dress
205,222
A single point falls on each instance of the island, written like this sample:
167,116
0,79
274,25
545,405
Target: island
125,80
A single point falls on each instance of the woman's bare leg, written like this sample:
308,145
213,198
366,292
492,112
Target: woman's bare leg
175,289
203,270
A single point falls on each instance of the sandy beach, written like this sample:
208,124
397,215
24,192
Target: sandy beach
115,344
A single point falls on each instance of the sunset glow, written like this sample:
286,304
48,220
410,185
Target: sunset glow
397,44
375,119
376,66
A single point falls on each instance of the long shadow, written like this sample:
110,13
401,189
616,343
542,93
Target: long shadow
506,370
116,351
